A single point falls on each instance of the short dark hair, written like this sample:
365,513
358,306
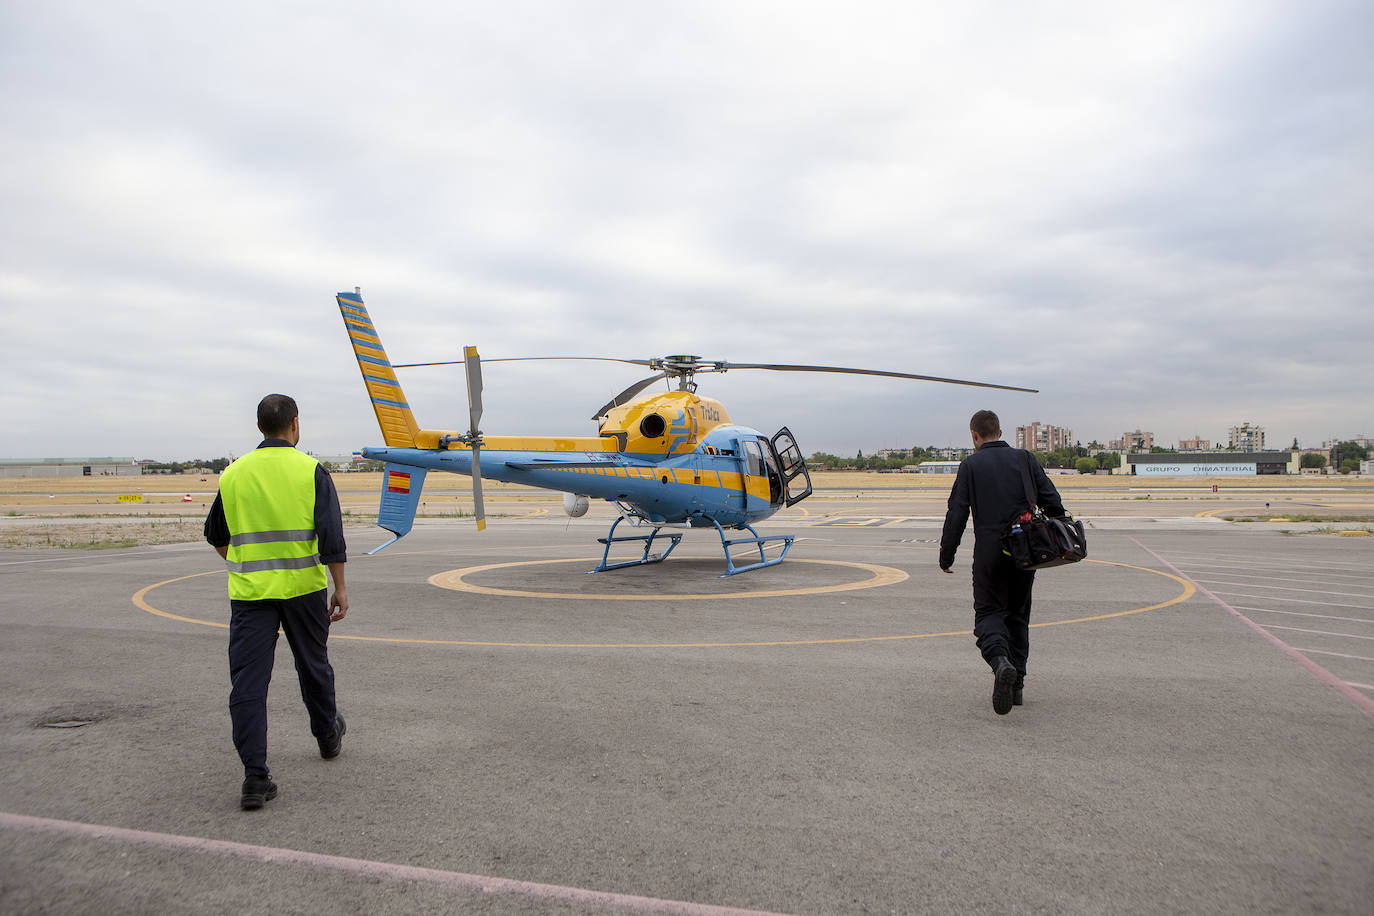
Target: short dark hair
985,424
275,413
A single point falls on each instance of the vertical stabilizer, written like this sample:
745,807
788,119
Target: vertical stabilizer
388,400
401,487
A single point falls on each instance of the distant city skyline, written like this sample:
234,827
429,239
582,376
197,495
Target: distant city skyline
1272,444
944,450
1146,440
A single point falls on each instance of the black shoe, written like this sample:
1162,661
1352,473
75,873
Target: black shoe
329,747
1016,699
257,791
1003,679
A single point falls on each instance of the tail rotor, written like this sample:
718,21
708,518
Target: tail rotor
472,365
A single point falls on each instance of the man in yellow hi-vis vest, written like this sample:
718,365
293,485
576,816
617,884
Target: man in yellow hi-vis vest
276,521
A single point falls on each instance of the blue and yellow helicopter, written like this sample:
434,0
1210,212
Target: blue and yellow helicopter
672,461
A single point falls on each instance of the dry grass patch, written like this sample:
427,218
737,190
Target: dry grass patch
98,535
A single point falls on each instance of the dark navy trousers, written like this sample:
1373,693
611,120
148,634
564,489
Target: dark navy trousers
253,629
1001,607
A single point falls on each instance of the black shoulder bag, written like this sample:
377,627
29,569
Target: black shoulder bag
1034,540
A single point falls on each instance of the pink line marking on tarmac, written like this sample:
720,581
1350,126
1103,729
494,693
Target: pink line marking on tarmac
545,893
1365,704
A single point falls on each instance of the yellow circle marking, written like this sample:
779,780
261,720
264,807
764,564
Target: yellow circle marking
1188,591
1213,513
454,579
140,599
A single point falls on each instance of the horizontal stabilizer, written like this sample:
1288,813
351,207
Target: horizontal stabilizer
401,486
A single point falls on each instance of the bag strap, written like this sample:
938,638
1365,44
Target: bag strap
1026,479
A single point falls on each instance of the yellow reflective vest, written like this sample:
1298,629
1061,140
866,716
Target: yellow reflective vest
269,504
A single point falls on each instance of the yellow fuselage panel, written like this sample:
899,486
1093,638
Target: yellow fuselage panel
429,438
672,423
682,417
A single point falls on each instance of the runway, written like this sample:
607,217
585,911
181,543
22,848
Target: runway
811,738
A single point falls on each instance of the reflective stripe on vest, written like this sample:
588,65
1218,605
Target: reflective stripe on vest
269,505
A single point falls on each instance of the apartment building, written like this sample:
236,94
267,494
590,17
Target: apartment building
1042,437
1361,440
1246,437
1133,442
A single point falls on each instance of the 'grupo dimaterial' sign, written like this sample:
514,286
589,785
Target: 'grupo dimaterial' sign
1195,470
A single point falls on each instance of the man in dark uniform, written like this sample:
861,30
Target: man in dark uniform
990,483
276,521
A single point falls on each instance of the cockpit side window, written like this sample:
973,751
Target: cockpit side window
753,457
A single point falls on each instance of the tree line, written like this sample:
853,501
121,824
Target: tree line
193,466
1344,457
216,465
1061,458
1086,459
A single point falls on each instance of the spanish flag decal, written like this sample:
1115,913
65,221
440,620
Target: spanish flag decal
397,482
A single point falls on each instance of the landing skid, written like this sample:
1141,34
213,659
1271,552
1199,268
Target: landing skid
762,543
646,539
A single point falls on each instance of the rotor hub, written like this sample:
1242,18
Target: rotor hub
679,364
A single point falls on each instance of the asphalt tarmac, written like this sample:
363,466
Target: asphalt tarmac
816,737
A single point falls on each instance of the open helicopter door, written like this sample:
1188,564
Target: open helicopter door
792,466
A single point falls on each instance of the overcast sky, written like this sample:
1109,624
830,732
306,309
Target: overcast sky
1161,215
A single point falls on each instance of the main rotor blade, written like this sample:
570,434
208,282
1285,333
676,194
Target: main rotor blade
628,393
525,359
776,367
